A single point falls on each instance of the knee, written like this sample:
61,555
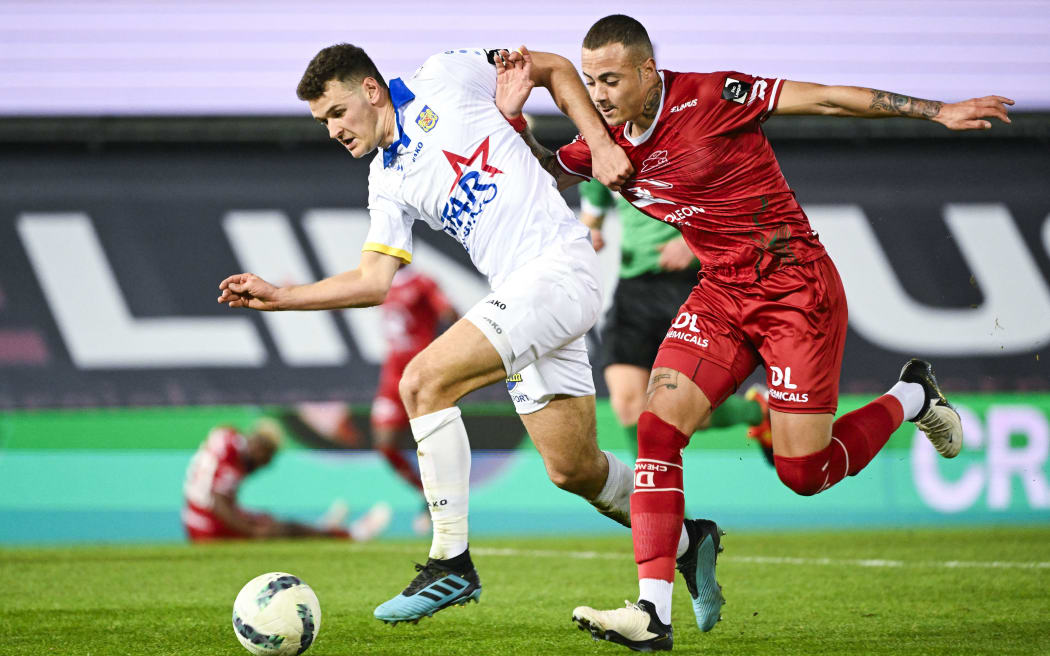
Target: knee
418,388
659,439
627,406
805,475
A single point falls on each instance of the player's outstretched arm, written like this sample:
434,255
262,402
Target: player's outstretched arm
365,286
809,98
610,164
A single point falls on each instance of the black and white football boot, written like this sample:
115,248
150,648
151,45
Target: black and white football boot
636,626
938,418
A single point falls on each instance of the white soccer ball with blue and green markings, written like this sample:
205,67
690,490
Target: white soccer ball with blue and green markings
276,614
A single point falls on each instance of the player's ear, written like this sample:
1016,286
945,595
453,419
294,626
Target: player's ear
648,69
373,90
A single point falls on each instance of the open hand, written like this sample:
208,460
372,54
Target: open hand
513,80
248,290
968,114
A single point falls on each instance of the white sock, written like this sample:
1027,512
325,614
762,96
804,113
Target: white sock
658,592
444,467
912,397
614,501
683,542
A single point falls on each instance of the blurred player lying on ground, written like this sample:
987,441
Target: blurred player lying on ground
215,474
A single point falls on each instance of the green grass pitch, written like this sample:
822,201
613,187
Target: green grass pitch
979,591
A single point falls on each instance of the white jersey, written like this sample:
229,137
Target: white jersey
461,168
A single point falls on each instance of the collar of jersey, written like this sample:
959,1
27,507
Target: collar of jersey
400,95
638,141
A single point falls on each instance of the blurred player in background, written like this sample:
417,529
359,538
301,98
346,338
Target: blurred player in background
414,310
657,270
215,475
769,294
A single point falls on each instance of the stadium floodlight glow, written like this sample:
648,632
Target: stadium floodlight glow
92,57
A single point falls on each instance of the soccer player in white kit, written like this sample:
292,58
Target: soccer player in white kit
448,157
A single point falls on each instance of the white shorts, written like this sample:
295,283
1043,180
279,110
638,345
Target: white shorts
537,320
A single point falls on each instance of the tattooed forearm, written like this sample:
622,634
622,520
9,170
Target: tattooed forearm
652,100
901,105
548,160
545,156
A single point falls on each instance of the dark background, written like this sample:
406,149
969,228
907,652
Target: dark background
156,190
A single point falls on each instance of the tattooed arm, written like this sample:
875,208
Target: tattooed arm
809,98
549,162
517,72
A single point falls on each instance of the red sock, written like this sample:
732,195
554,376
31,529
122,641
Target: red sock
856,438
658,502
401,466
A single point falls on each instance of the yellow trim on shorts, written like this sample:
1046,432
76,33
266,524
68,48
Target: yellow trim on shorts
403,255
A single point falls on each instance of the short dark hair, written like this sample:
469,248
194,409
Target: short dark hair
344,62
619,29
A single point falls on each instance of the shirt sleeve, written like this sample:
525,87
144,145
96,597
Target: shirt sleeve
575,158
595,198
468,69
390,229
734,100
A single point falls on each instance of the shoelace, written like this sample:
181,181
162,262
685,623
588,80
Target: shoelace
425,573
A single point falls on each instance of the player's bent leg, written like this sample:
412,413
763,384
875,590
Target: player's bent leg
458,362
813,454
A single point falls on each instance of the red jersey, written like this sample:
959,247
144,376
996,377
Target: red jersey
216,468
411,312
706,167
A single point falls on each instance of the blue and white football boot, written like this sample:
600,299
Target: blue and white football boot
439,584
697,566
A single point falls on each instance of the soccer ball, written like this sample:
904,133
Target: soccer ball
276,614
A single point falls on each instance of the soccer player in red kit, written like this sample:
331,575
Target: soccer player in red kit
215,475
768,292
412,313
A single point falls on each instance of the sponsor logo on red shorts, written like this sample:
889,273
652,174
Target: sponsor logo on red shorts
782,377
684,328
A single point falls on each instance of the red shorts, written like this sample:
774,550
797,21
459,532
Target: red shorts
387,409
792,322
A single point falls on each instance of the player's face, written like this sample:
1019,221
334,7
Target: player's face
617,81
350,114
